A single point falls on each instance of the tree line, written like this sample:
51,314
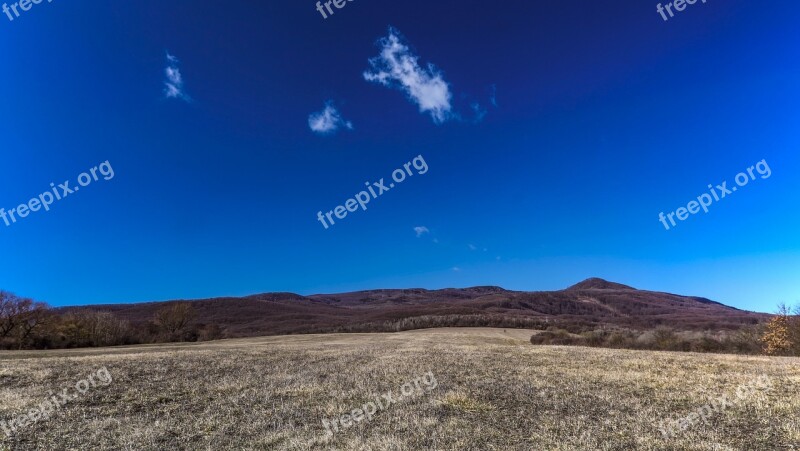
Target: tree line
26,324
780,336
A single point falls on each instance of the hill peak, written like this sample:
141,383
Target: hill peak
596,283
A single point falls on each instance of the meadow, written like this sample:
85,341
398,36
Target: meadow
493,391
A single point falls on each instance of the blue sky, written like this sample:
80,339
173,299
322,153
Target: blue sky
554,132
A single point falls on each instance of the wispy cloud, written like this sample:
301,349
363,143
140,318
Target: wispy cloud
327,121
479,112
472,247
421,230
397,67
173,85
456,269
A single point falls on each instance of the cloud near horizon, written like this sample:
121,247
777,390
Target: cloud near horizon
398,68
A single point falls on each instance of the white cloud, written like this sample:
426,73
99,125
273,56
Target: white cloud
327,121
456,269
397,67
472,247
421,230
173,85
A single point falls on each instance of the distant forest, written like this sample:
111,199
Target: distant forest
26,324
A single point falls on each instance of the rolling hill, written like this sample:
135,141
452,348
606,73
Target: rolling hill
591,302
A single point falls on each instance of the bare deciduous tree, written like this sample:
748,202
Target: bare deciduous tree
174,320
88,327
20,318
9,307
32,318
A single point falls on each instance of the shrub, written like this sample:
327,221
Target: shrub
777,338
744,341
558,337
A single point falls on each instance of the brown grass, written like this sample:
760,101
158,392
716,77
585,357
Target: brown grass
495,392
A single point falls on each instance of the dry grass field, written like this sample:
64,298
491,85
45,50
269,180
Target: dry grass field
493,391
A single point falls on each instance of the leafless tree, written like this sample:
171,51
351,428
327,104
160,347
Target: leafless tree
174,320
9,306
87,327
32,319
20,318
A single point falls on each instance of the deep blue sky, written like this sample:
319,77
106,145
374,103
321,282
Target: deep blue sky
605,116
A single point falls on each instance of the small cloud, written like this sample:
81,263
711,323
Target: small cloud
472,247
397,67
422,230
493,95
327,121
436,241
479,111
173,85
456,269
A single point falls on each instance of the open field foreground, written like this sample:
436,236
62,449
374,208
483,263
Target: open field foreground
452,389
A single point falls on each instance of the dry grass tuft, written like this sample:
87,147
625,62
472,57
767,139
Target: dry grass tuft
461,402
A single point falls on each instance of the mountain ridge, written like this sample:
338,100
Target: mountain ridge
592,302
